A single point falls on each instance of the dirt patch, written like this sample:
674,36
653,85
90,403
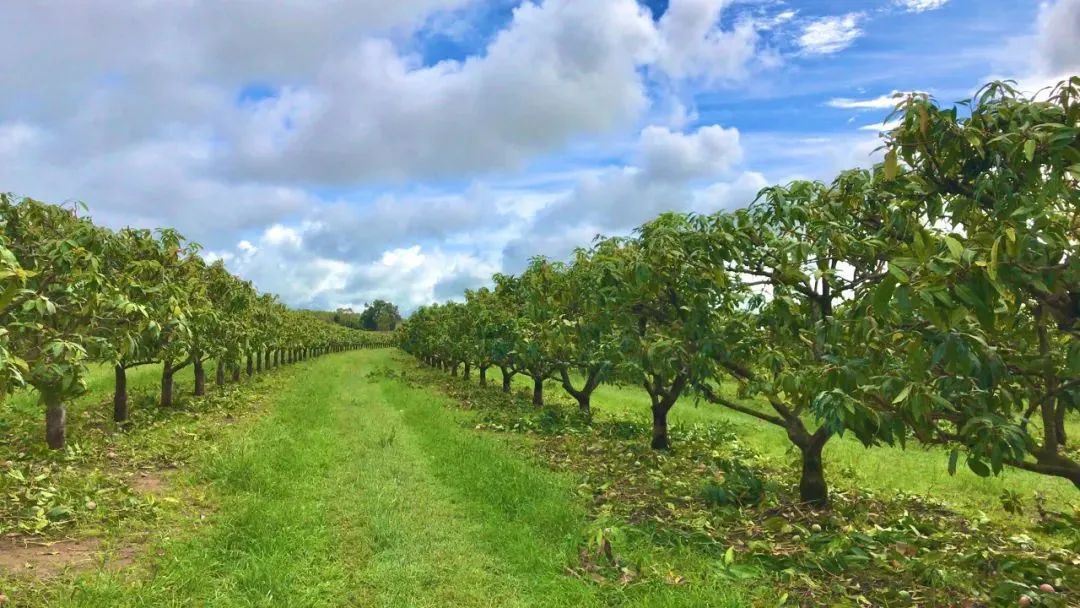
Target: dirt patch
150,482
42,559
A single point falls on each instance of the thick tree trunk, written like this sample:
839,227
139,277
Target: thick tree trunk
538,392
467,373
258,361
167,385
200,377
507,379
453,370
220,375
250,366
55,422
120,394
483,375
660,428
812,487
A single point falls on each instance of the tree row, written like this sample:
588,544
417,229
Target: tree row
73,293
933,298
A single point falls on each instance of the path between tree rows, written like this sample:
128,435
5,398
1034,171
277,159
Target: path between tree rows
359,490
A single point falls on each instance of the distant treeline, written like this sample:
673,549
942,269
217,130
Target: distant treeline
380,315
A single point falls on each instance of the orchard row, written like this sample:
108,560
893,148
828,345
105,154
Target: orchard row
934,298
73,293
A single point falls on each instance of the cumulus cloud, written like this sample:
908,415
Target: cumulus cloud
669,156
828,35
692,46
1058,38
675,172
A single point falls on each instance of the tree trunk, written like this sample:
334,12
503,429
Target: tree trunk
220,376
453,370
236,372
200,377
507,378
483,375
538,391
660,428
812,487
258,361
120,394
250,366
467,373
55,421
1060,422
167,385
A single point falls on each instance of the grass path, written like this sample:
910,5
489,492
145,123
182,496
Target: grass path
359,490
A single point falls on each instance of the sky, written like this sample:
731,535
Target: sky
335,152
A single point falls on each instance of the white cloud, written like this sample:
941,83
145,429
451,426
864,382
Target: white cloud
1058,38
918,6
827,35
671,156
881,126
693,46
561,69
883,102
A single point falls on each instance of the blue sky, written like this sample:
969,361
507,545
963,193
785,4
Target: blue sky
336,152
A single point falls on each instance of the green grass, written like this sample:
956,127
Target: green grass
358,490
887,470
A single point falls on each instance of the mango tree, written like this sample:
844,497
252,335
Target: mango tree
990,288
50,308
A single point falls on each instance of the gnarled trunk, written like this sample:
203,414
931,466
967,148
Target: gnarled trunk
483,375
507,379
813,489
55,421
200,377
120,394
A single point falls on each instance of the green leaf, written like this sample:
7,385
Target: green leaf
891,168
978,467
1029,149
903,394
729,556
884,292
955,248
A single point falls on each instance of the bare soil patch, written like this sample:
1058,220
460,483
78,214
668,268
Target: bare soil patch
21,556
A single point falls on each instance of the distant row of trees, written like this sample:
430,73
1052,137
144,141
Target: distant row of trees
934,298
379,315
72,293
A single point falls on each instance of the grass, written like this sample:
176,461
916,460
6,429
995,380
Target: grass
886,470
359,490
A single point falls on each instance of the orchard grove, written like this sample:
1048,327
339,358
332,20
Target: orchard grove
934,298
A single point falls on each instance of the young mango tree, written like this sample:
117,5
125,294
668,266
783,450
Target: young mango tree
813,253
535,323
990,289
666,295
57,297
582,339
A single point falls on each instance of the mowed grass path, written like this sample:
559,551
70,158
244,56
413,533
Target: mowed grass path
359,490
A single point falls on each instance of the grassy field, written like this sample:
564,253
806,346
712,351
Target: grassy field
349,486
